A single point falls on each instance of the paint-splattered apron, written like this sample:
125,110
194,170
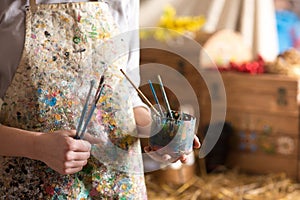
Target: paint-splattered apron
67,46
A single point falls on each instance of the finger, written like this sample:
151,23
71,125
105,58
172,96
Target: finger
71,133
160,158
166,157
147,149
196,142
71,155
86,146
75,164
156,156
80,145
72,170
183,158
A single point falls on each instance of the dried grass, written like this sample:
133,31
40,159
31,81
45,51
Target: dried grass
230,185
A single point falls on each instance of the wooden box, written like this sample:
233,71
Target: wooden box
263,110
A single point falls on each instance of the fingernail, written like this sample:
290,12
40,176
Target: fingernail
166,157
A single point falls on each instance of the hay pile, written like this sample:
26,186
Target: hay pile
227,186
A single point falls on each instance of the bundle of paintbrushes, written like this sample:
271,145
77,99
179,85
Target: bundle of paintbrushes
172,132
80,133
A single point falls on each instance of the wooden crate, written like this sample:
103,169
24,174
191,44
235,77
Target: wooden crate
264,112
257,93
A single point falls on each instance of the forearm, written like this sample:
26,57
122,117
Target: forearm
59,150
17,142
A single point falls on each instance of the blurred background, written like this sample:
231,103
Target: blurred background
254,45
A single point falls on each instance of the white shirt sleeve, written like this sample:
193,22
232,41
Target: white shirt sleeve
133,64
128,22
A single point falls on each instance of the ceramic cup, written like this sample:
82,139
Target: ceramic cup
173,136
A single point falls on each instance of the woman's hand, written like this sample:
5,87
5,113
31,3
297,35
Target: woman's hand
58,150
61,152
143,121
166,158
196,145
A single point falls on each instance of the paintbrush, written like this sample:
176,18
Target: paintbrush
140,93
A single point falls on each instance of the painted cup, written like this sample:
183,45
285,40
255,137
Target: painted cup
173,136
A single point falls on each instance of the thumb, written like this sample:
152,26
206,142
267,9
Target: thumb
165,158
82,145
70,133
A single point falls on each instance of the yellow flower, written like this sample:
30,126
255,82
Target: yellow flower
181,25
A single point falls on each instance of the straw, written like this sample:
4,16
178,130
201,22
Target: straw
140,93
165,96
229,184
155,96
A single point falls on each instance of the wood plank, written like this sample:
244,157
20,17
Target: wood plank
272,144
256,121
263,164
261,93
